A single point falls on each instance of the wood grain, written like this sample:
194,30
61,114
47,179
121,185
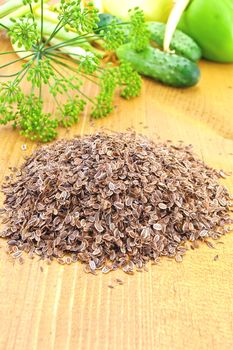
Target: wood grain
171,307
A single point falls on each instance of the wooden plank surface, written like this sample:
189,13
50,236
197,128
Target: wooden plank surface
171,307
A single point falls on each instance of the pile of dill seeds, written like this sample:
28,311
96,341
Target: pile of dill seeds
112,201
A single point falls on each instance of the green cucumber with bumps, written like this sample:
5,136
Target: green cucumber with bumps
181,43
167,68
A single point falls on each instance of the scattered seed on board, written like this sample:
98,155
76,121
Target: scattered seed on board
61,261
119,281
110,286
216,257
111,201
210,244
178,258
24,147
21,260
68,260
106,269
92,265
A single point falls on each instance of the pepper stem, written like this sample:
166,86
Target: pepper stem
174,17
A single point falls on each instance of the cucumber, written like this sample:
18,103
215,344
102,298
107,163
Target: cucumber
104,20
170,69
181,43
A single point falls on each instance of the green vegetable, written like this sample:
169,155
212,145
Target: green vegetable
10,6
40,42
181,43
154,10
209,23
6,21
106,19
168,68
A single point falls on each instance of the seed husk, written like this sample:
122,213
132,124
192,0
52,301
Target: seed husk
119,281
113,201
210,244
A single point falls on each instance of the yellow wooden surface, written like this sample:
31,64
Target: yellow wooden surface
171,307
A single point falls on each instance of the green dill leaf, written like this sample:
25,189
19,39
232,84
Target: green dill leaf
83,19
10,92
130,80
58,86
34,123
10,95
72,110
24,32
40,72
62,68
89,63
139,33
29,2
114,35
104,100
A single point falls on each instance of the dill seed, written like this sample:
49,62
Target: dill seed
92,265
119,281
178,258
216,257
21,260
105,269
210,244
113,201
23,147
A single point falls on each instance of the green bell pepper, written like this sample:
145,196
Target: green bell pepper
209,23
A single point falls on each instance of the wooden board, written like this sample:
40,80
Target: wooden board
171,307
